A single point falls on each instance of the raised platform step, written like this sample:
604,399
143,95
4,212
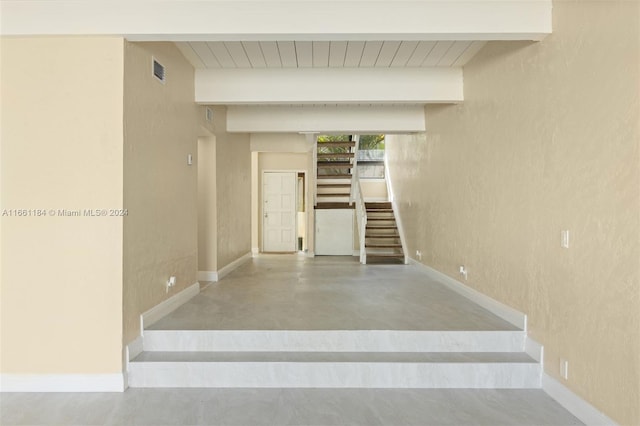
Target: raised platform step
334,370
335,340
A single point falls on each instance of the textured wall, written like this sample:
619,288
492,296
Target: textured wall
207,205
233,192
61,280
547,139
160,189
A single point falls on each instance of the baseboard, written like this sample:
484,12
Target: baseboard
577,406
207,276
503,311
233,265
255,251
134,348
534,349
171,304
62,382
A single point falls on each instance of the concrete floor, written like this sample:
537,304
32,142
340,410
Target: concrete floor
294,293
275,292
287,407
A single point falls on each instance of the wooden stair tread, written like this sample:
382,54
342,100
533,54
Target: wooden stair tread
335,205
334,195
383,245
382,227
338,176
337,155
399,255
381,236
335,165
334,185
345,144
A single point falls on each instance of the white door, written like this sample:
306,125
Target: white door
279,211
334,232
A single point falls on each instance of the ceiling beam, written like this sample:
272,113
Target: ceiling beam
328,86
229,20
326,119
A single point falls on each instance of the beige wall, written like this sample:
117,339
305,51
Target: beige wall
374,189
160,189
547,139
207,205
280,161
61,282
279,142
233,193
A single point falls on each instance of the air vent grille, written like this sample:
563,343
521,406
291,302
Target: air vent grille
159,71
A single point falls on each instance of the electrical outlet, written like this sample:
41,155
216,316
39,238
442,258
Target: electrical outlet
170,283
564,238
463,271
564,368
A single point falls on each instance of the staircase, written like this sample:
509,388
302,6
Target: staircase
334,359
382,239
336,163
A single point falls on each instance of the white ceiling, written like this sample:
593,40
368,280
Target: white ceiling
328,54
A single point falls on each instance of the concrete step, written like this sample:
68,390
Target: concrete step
334,340
334,370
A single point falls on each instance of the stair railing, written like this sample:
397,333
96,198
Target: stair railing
361,216
354,169
396,211
315,171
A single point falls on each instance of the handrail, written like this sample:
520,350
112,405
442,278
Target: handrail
396,210
315,170
354,169
361,216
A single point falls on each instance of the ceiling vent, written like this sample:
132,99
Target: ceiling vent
159,71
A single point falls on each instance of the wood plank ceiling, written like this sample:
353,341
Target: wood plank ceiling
329,54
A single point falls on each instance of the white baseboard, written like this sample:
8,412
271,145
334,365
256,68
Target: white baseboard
62,382
503,311
255,251
577,406
207,276
534,349
233,265
134,348
171,304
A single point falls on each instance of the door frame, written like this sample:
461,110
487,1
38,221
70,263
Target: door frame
306,191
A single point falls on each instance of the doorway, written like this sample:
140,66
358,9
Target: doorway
279,210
